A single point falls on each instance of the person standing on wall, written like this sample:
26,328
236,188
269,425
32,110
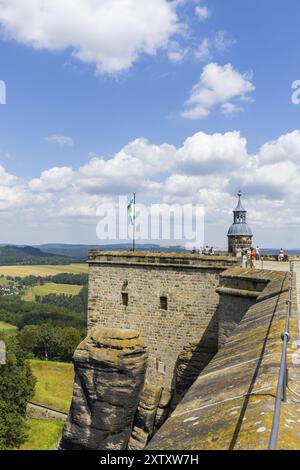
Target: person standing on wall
244,258
281,255
252,257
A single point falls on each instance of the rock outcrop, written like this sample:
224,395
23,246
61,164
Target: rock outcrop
145,417
110,367
190,363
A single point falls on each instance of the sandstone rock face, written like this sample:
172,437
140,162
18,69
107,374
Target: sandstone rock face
190,363
163,409
145,417
110,367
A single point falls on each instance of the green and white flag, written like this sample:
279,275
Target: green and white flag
130,210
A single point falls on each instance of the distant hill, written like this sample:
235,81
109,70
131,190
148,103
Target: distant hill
27,255
80,252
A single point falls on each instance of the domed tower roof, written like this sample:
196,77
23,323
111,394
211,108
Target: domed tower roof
239,226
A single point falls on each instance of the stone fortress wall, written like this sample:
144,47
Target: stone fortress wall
231,404
156,323
171,300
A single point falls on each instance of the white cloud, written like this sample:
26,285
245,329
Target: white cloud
217,85
204,153
230,108
55,179
206,169
12,191
61,139
176,52
286,147
223,41
204,50
202,12
111,34
208,46
275,180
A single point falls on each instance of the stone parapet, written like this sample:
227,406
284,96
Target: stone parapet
231,404
185,260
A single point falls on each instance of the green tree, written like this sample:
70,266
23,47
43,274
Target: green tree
16,389
49,342
67,341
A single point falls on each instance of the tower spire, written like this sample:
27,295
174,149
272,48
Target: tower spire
239,234
239,212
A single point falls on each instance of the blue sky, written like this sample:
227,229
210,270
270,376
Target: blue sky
68,113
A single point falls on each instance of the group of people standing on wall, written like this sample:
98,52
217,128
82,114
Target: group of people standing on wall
249,255
205,251
253,254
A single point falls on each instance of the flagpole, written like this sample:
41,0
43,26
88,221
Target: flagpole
133,244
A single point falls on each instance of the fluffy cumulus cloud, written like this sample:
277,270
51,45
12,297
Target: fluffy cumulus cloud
12,191
219,86
131,168
287,147
216,153
111,34
207,169
55,179
108,33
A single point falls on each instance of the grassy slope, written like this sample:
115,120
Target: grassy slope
23,271
54,385
51,288
43,434
9,329
4,281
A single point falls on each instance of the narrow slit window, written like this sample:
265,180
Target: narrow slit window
164,303
125,299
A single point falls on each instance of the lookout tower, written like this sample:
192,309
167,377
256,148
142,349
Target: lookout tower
239,235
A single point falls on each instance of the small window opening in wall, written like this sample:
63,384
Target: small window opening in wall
125,299
164,303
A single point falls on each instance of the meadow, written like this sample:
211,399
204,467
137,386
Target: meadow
54,386
3,281
47,270
8,329
43,434
51,288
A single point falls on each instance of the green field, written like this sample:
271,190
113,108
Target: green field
7,328
51,288
54,387
43,434
47,270
4,281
